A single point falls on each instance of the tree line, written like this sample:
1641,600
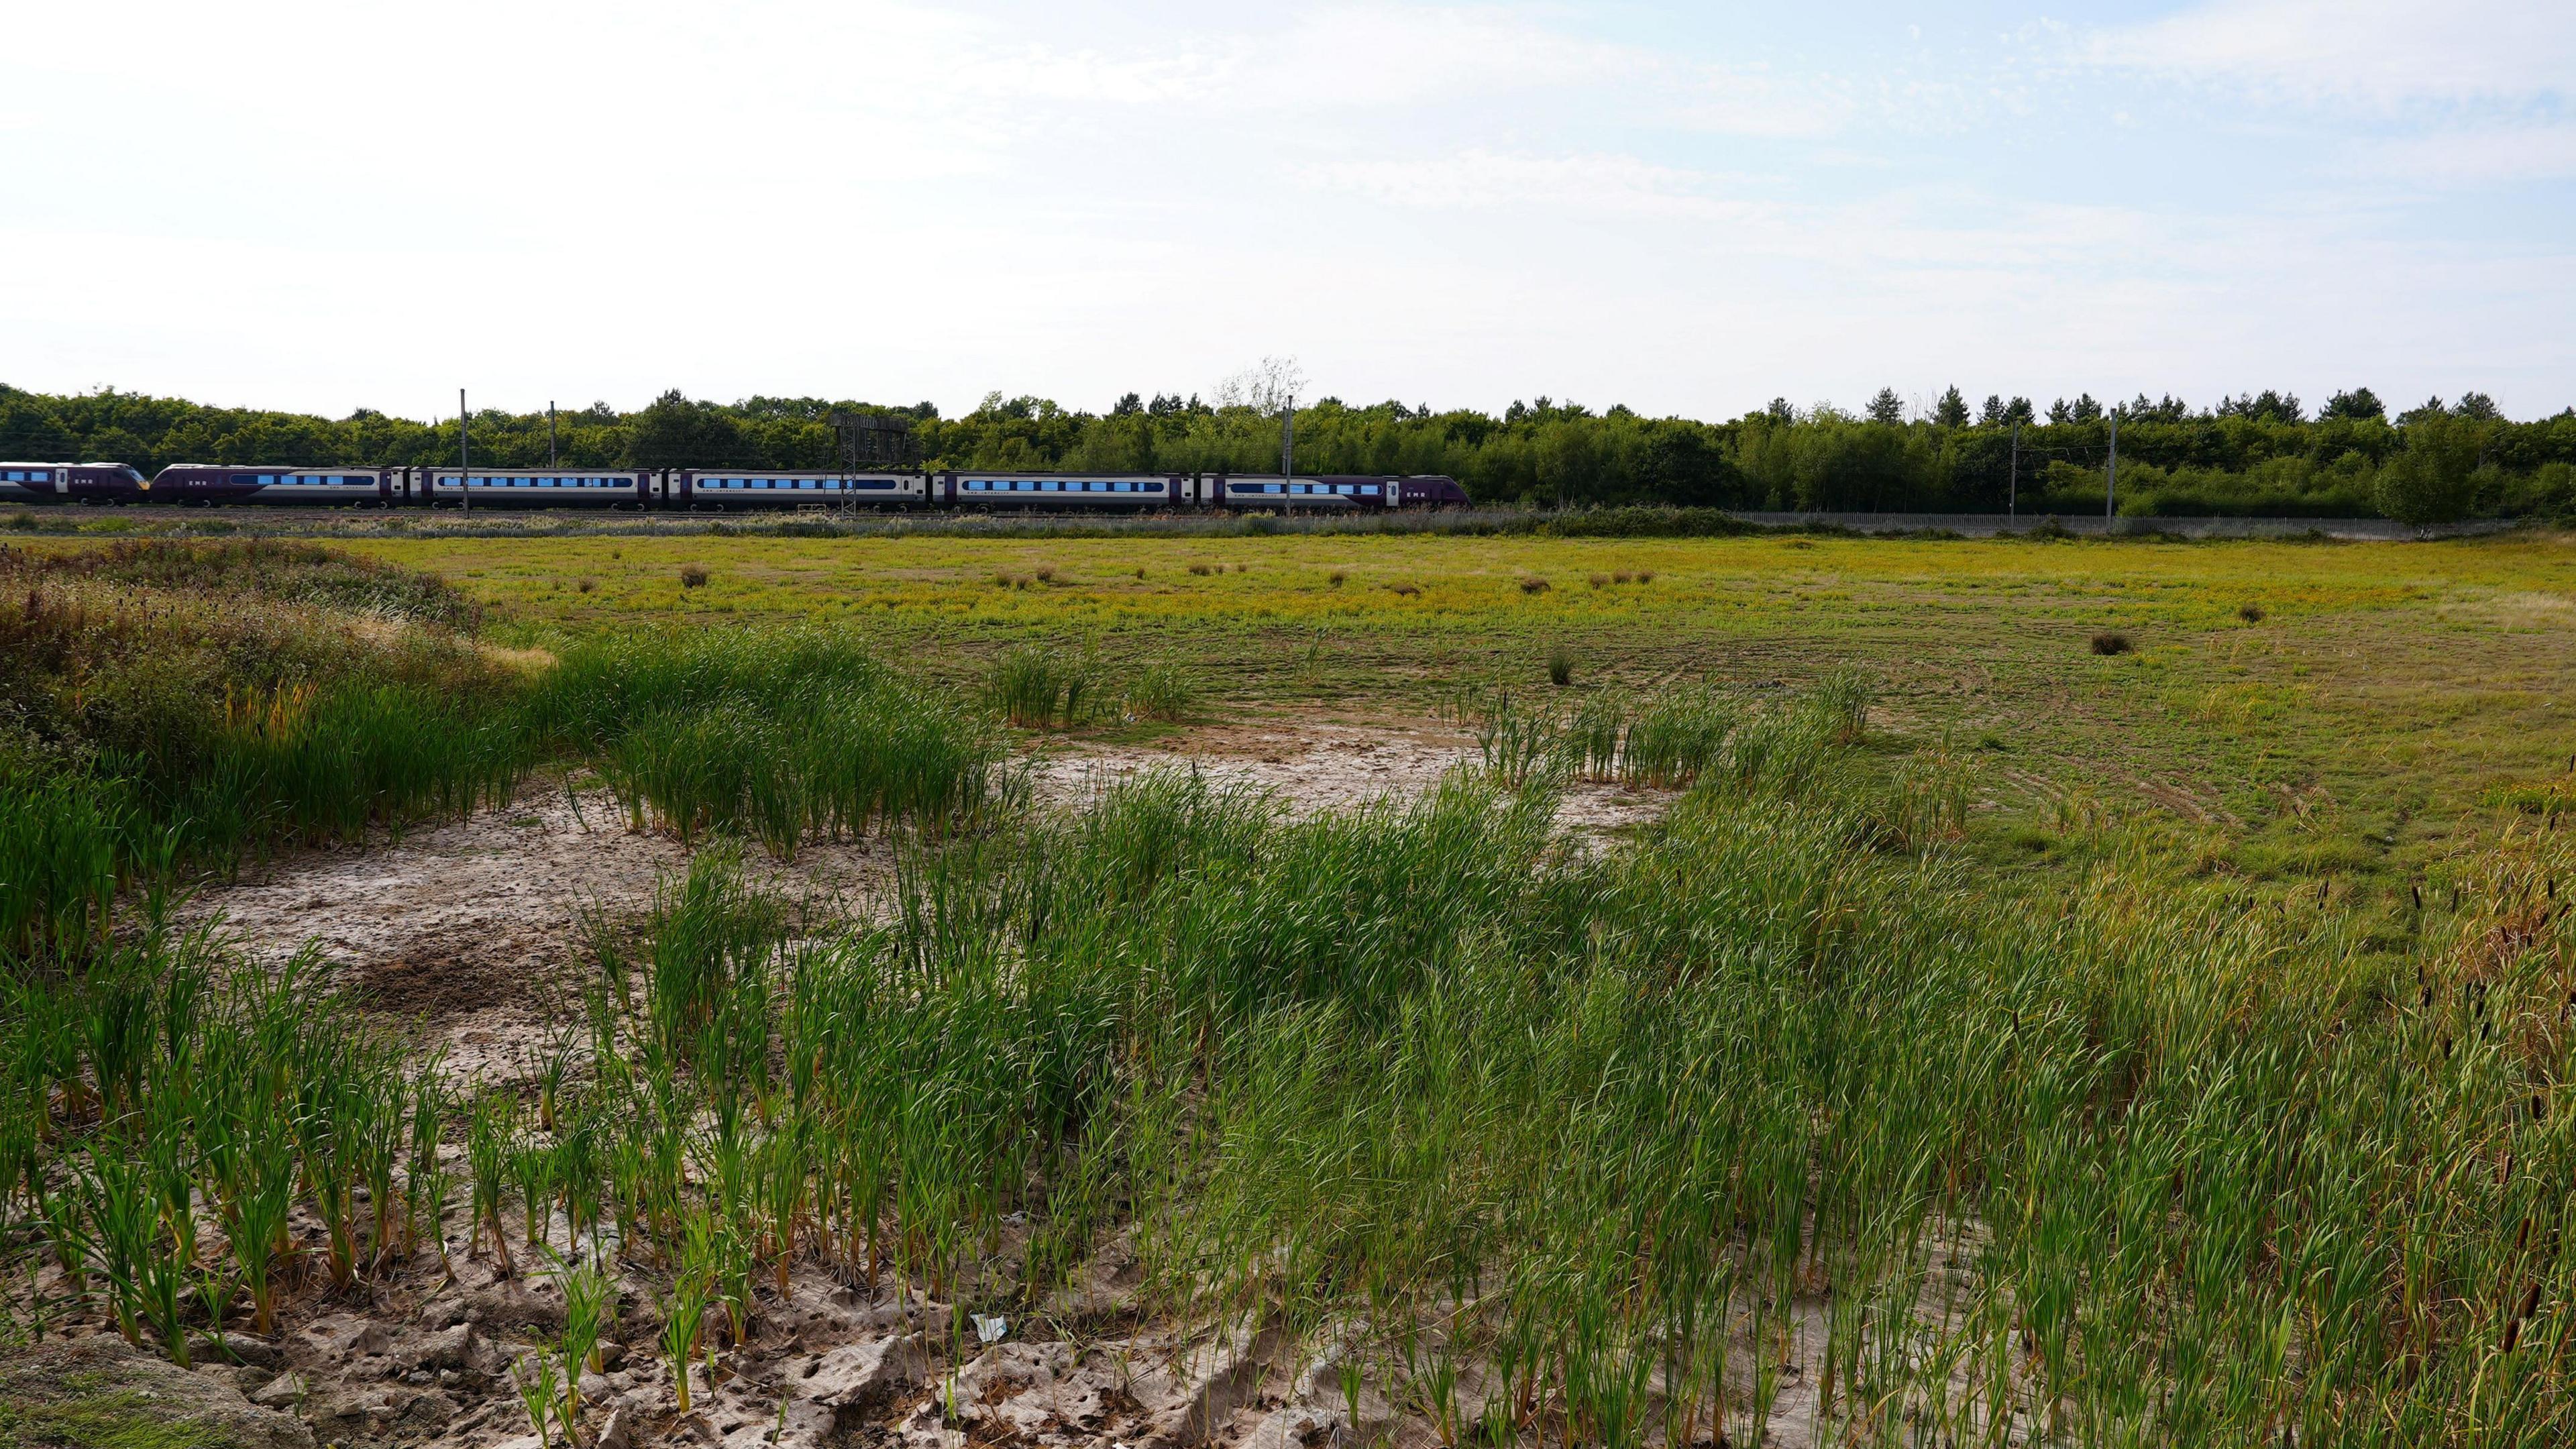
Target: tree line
2260,454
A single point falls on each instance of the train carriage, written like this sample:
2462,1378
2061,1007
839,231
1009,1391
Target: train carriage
69,483
243,483
524,487
1026,489
731,488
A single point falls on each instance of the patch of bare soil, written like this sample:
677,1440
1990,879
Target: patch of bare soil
1322,766
475,929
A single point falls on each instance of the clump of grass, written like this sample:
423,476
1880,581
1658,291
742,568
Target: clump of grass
1645,576
1560,665
1335,578
1407,591
693,576
2111,641
781,737
2251,613
1043,573
1040,688
587,586
1535,585
1602,581
1161,692
1201,570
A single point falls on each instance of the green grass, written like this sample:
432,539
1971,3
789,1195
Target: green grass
2022,1043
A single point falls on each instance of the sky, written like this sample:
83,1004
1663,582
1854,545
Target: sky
1688,208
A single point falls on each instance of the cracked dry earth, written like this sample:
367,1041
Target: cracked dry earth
472,934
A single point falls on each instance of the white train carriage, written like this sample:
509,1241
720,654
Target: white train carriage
1023,488
730,488
525,487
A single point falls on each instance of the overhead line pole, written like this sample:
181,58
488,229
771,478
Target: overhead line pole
550,434
2012,478
464,494
2111,490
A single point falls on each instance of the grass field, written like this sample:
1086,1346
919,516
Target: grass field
2103,993
2384,690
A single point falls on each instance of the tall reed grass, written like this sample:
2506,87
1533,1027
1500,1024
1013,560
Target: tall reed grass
779,738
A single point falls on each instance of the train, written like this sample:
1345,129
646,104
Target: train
721,489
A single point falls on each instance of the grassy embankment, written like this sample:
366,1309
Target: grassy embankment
1540,1143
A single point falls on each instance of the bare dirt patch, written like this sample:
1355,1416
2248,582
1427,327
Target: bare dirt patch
475,929
1321,766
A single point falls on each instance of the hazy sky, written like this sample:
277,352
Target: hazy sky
1690,208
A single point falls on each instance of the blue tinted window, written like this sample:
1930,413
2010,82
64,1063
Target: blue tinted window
267,478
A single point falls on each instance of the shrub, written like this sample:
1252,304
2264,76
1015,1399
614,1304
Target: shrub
693,576
2111,642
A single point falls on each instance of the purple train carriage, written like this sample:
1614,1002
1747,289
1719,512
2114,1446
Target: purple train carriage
70,483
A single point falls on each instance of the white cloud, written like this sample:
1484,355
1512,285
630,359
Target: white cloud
2481,156
1573,184
2379,51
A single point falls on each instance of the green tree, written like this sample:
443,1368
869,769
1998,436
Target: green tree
677,433
2429,480
1952,410
2359,405
1887,407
